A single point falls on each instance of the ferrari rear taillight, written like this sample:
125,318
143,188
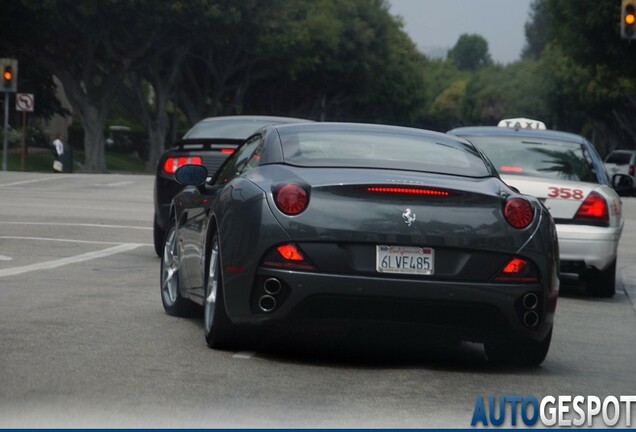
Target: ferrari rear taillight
290,252
408,190
518,212
290,198
594,208
171,164
518,270
227,151
287,256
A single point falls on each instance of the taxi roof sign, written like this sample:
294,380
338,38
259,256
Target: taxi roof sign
522,123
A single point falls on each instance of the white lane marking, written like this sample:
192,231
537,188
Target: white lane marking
30,181
76,225
5,258
121,183
69,240
47,265
244,355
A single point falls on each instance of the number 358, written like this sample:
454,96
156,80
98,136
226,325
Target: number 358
565,193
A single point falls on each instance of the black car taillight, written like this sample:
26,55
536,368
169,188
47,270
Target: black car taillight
631,170
518,212
518,270
290,198
171,164
593,209
287,256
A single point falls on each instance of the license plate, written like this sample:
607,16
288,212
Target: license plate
404,259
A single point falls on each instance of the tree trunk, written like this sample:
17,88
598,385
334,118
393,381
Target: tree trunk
157,136
94,143
153,116
93,117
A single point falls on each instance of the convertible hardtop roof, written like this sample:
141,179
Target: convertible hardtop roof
365,127
243,118
520,132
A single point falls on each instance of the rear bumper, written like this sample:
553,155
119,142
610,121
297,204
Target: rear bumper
474,311
596,247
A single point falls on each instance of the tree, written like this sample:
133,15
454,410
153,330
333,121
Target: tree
537,30
514,90
351,61
595,84
449,103
154,81
246,44
89,47
470,52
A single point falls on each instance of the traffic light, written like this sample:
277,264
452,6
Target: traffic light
9,75
628,19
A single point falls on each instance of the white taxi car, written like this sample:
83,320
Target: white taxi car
566,173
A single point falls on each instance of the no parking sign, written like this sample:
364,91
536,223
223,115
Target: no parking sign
24,102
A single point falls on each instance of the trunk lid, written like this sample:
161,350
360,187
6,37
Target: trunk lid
452,211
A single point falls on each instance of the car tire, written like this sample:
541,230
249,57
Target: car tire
602,283
219,331
517,351
159,236
173,303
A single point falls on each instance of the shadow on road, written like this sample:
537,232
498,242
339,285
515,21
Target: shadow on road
376,347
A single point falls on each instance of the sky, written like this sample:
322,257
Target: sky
436,25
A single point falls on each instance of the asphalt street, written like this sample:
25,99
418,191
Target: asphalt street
84,340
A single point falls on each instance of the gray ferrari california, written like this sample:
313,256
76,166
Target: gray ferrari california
344,222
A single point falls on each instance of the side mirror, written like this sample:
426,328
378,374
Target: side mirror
622,182
191,175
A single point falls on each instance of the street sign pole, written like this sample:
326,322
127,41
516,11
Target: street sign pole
24,102
24,152
9,84
5,133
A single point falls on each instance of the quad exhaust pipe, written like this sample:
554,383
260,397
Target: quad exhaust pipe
267,303
272,286
530,302
531,319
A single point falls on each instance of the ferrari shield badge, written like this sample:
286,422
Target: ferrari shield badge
408,216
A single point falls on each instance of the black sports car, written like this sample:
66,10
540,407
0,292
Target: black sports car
357,222
208,143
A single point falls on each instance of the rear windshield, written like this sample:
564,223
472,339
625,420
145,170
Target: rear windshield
234,129
619,158
362,149
538,157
